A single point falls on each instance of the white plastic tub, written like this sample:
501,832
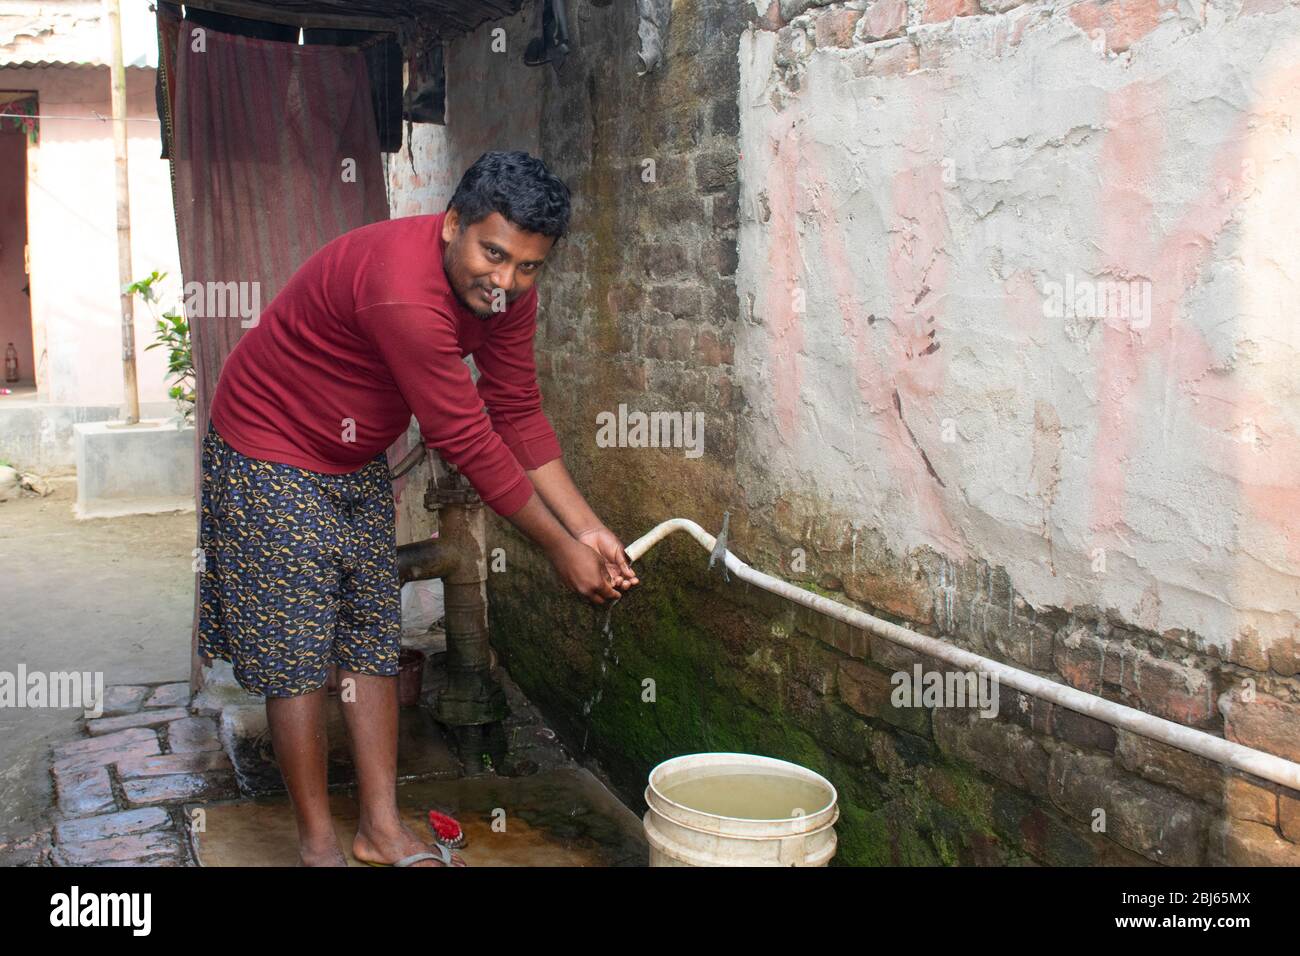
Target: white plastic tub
685,827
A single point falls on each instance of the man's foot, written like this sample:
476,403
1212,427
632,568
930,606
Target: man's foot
322,854
392,844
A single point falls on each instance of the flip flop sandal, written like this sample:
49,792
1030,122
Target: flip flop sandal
443,854
446,831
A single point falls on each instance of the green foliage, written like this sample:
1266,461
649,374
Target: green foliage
173,333
145,287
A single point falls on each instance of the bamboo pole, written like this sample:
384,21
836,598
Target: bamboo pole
118,77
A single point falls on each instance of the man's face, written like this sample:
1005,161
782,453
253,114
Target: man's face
489,255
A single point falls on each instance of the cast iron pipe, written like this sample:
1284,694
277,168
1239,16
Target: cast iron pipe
458,556
424,560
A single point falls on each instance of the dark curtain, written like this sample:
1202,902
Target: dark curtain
384,67
260,131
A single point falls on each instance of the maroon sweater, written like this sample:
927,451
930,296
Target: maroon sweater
369,332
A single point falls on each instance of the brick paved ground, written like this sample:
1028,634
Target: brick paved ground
119,789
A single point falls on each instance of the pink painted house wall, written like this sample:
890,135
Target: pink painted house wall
72,232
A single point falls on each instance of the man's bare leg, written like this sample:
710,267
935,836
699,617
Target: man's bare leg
370,713
298,736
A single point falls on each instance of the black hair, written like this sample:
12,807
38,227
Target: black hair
519,187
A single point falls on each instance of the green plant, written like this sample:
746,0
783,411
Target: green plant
172,333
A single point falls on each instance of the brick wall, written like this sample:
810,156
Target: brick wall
663,298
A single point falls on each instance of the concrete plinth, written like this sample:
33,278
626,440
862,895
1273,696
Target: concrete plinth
133,469
37,435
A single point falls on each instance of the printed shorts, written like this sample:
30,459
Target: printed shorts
299,571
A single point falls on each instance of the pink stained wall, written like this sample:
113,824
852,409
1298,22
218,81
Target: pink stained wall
72,233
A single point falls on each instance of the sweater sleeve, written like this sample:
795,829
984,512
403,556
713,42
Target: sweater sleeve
418,345
507,382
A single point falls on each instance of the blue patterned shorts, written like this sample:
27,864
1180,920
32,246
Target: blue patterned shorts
299,571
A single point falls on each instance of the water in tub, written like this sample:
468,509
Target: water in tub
749,796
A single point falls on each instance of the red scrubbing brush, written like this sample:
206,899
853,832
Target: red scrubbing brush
446,830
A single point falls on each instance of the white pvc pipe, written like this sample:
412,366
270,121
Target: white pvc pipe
1256,762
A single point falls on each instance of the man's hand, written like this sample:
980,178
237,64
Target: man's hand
593,562
605,543
583,570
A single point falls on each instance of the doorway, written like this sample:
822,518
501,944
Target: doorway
15,289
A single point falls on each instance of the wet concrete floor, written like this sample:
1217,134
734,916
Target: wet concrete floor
560,817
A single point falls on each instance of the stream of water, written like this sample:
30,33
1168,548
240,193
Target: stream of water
592,701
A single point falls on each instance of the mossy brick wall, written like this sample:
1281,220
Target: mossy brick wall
737,669
639,306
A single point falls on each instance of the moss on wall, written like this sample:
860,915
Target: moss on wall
731,671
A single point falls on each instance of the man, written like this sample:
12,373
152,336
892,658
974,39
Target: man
297,514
